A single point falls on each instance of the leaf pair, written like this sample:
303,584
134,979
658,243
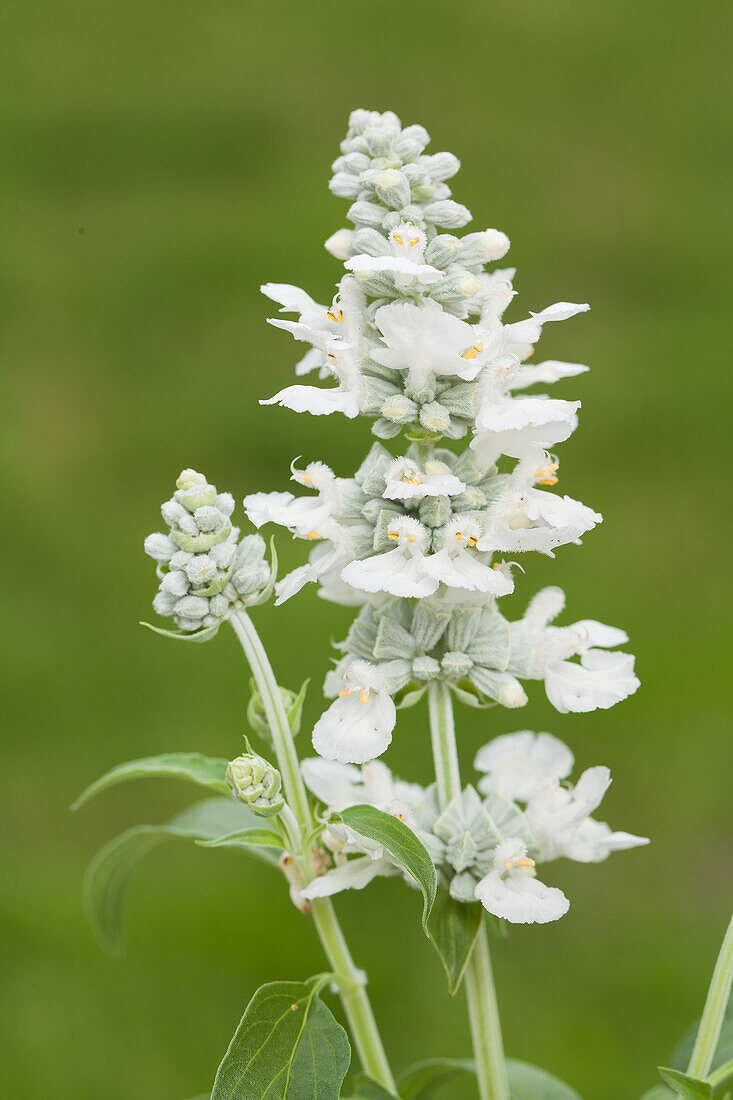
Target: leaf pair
213,821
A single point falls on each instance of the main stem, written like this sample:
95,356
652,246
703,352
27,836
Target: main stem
358,1009
713,1014
483,1009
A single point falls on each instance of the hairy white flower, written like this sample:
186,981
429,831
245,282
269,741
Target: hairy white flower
425,341
512,891
515,764
358,725
560,821
402,571
460,564
407,481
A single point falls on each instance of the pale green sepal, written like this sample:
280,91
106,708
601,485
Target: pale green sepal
181,636
206,771
410,696
288,1046
400,842
295,711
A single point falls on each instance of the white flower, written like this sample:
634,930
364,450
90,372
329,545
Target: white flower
406,481
511,890
460,565
341,358
358,725
402,571
523,517
513,426
552,370
324,558
294,300
517,763
600,680
341,785
309,518
560,822
425,341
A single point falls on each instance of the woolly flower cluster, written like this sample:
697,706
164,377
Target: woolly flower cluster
415,339
487,843
205,569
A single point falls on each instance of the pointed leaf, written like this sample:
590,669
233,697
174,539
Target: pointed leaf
265,838
267,591
423,1079
453,928
400,842
107,878
204,770
180,636
288,1046
367,1089
689,1088
531,1083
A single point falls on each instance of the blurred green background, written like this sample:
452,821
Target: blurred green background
161,161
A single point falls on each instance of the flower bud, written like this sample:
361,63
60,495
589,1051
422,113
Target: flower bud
256,782
456,665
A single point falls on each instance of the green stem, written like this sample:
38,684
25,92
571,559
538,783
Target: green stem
348,978
482,1005
713,1014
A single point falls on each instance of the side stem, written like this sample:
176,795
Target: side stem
713,1014
479,981
350,981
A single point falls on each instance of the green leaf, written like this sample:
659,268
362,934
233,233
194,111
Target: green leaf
659,1092
295,710
453,928
266,838
367,1089
401,842
423,1079
204,770
288,1046
531,1083
689,1088
180,636
108,875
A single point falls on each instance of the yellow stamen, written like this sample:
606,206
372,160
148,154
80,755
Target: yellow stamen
397,237
412,480
338,316
509,863
472,351
344,692
305,477
364,696
546,474
459,536
393,535
313,535
472,540
412,538
413,241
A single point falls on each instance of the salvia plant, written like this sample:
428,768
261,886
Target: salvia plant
421,542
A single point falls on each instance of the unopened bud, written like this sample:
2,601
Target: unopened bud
255,781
